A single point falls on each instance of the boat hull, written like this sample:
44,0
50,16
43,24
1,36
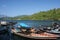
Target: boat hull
17,37
20,36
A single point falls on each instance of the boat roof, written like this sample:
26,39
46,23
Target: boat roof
23,25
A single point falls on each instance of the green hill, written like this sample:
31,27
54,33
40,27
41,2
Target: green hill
53,14
47,15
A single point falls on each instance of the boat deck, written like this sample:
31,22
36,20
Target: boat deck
37,36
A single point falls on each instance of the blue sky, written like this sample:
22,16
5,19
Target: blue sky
26,7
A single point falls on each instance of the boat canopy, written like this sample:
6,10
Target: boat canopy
22,25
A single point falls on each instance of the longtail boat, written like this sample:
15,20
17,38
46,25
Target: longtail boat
36,36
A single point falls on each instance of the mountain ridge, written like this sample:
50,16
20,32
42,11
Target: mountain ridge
52,14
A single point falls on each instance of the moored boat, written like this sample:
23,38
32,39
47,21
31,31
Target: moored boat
43,35
54,32
3,23
4,26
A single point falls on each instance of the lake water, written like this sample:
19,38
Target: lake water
36,23
33,23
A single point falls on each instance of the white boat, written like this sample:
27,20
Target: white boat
55,31
3,23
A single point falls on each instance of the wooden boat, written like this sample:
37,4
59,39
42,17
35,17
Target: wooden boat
54,32
6,23
36,36
3,26
3,23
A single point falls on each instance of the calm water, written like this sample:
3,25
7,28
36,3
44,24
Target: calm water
36,23
33,23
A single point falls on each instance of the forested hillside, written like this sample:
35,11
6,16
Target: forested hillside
53,14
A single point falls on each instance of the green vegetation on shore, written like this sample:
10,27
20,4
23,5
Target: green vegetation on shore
53,14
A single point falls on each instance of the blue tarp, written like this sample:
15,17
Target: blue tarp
22,25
